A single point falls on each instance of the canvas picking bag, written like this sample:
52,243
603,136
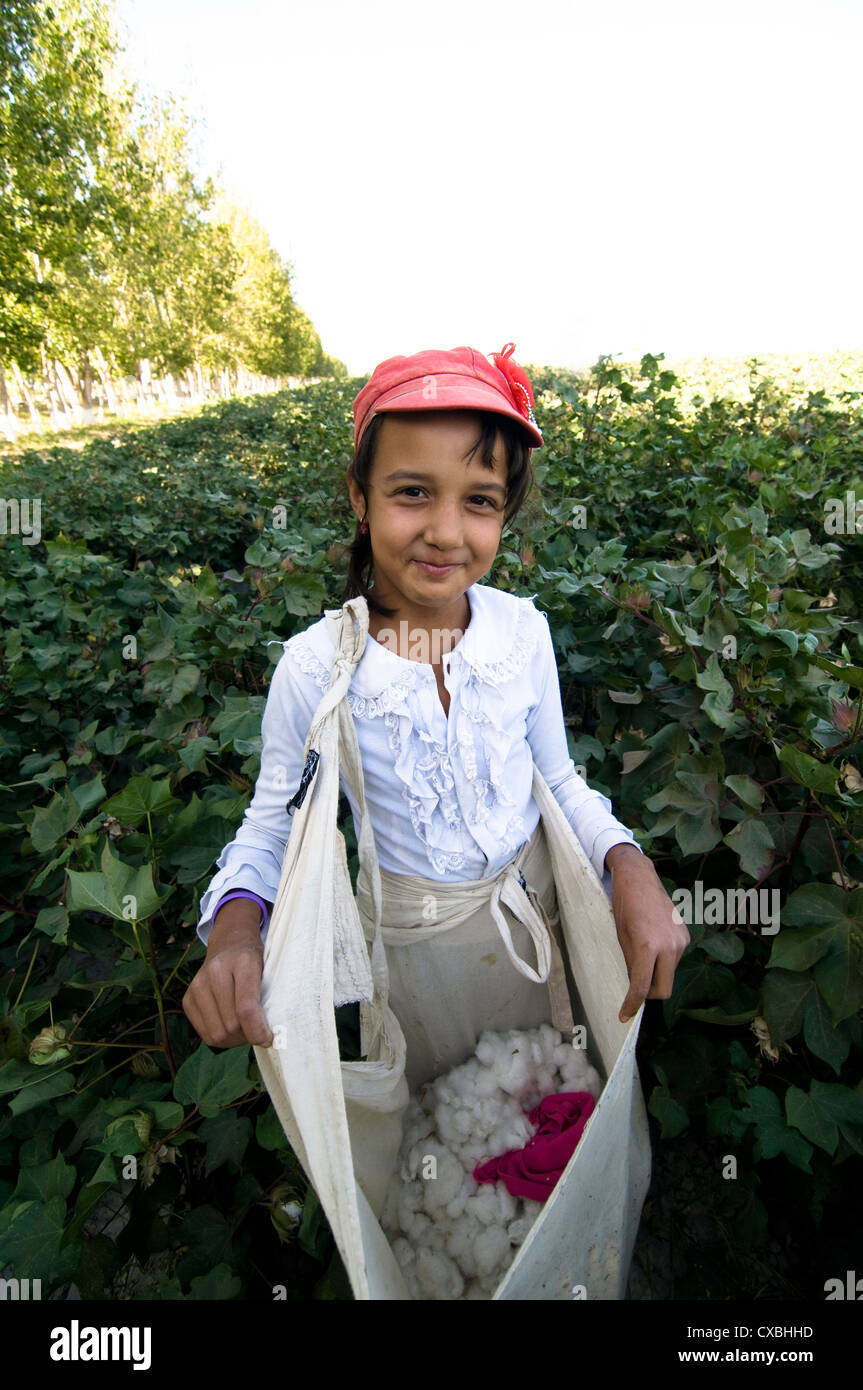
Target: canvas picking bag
325,948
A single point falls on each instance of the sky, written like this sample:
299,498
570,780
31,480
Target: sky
576,178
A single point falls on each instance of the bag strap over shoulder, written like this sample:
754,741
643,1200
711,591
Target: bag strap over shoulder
349,629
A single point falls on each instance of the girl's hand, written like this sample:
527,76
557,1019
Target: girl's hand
223,1002
650,930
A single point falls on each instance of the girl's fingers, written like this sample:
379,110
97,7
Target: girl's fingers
640,977
223,1002
202,1011
250,1017
663,974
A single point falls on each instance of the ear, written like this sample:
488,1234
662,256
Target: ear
358,502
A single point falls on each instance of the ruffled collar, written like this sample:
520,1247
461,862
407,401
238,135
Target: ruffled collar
489,641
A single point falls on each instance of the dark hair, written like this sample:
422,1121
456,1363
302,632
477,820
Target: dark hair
519,483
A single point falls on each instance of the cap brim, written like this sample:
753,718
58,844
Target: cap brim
456,392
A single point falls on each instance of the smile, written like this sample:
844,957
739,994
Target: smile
435,569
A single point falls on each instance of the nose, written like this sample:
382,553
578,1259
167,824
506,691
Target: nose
444,526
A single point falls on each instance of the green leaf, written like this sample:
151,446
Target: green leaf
89,794
717,1015
784,995
749,792
821,926
699,833
718,703
210,1240
798,949
753,843
167,1114
844,1106
219,1283
140,796
239,724
227,1137
818,777
121,1137
849,675
671,1115
30,1236
268,1130
45,1180
723,1119
50,823
808,1116
773,1136
194,753
724,946
120,891
212,1080
46,1088
821,1035
54,922
839,978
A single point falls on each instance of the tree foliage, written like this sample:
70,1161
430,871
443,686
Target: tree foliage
109,239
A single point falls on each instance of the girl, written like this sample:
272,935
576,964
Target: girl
454,699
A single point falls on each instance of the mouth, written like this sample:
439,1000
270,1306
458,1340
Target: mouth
435,569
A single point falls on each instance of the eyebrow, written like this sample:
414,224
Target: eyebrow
403,474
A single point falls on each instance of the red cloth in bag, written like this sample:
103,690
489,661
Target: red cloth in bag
533,1171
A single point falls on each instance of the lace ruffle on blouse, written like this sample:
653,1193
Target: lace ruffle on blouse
486,724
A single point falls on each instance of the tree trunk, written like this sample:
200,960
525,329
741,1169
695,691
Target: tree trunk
105,377
35,417
8,422
145,388
51,390
68,394
85,381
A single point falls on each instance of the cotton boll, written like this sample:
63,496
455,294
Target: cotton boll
550,1039
483,1206
408,1202
456,1207
514,1133
518,1229
517,1073
417,1227
490,1248
486,1084
545,1079
506,1203
460,1242
464,1122
450,1177
438,1277
474,1292
404,1253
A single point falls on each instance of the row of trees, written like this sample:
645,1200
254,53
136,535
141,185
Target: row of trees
113,252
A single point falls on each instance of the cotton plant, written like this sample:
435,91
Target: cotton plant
454,1238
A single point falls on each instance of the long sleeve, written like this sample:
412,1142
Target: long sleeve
588,811
253,859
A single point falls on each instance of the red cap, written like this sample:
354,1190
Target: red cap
461,379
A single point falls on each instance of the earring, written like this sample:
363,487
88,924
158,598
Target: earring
363,528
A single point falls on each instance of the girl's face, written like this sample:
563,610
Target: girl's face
434,519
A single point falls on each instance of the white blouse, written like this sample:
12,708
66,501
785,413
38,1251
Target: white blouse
449,795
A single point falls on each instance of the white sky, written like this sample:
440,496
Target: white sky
575,176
